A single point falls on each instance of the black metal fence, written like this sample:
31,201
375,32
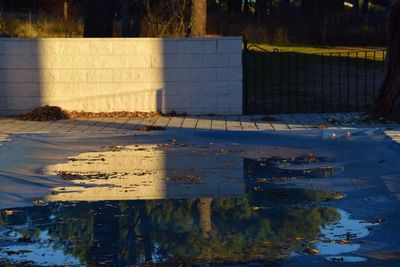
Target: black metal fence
291,82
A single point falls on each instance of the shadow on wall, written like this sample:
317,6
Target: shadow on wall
193,76
20,75
200,76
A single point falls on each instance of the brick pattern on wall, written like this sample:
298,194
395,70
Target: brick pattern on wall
185,75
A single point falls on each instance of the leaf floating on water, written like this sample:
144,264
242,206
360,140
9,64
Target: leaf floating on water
335,259
312,251
338,195
25,239
23,251
10,212
39,203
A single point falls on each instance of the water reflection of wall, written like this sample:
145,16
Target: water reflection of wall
150,172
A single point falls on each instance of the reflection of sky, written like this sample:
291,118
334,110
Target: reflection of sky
337,232
53,256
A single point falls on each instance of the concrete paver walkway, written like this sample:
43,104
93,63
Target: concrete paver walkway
224,123
280,122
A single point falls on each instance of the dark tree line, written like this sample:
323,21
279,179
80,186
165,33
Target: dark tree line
279,21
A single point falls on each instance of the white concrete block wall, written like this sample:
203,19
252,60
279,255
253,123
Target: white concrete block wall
186,75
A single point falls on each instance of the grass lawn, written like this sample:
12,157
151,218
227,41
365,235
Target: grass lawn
343,50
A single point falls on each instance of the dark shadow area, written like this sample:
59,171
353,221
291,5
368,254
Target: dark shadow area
21,75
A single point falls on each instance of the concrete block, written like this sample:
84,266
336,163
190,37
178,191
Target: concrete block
104,47
229,101
18,47
177,61
56,90
15,76
212,88
31,89
137,46
74,75
16,62
210,46
46,47
2,46
129,87
215,60
236,87
44,76
190,74
235,60
178,101
235,110
183,46
204,101
23,103
100,75
72,47
126,75
10,90
229,45
83,61
136,62
109,62
230,74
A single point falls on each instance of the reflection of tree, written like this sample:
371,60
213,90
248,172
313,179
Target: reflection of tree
267,223
264,224
134,232
205,216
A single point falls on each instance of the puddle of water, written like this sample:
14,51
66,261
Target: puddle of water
175,170
341,238
176,203
187,230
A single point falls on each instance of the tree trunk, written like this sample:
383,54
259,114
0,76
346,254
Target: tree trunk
198,19
388,103
98,18
66,11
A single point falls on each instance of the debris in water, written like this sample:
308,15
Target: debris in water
269,118
312,251
9,212
147,128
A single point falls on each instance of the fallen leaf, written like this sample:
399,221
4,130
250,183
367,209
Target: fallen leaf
9,212
312,251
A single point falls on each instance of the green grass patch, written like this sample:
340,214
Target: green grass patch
371,53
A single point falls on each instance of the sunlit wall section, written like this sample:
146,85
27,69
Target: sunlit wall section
185,75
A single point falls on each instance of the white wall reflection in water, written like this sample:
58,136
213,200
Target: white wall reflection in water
151,172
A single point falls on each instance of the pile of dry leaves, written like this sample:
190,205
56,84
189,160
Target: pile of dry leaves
53,113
